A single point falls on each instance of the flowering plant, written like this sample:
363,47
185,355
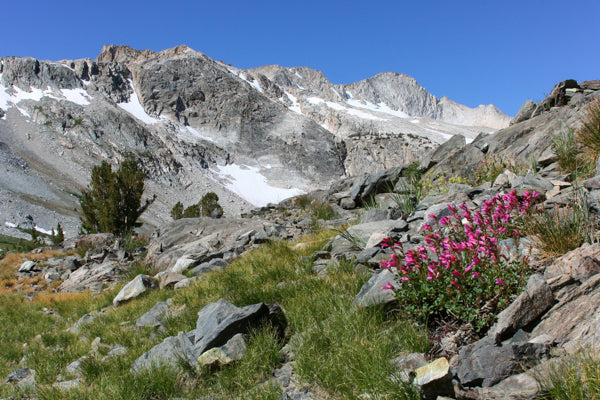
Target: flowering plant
460,272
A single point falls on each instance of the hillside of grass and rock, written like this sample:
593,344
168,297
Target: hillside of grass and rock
470,274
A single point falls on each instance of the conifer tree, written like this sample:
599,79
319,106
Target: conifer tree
113,201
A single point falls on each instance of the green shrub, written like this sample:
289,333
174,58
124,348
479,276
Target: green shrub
490,167
564,147
459,274
574,377
588,135
562,229
208,206
177,211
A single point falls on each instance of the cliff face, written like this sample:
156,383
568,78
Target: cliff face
198,125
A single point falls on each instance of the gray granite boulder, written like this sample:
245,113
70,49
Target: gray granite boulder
484,363
170,353
154,317
372,293
137,286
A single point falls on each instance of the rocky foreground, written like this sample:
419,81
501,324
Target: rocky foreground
555,316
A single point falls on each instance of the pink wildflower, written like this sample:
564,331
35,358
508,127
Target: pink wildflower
500,282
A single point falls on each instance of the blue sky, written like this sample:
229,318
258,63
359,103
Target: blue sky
474,52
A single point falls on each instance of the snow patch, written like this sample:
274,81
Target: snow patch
77,96
248,183
339,107
295,107
380,107
254,83
42,230
10,224
23,111
135,108
197,134
298,75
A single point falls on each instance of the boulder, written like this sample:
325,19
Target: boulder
220,321
24,378
372,293
215,264
524,113
27,266
182,264
484,363
407,365
362,232
580,264
67,385
170,279
517,387
84,320
74,368
154,317
136,287
233,350
170,353
527,307
446,149
434,379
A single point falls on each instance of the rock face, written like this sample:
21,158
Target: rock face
530,305
197,125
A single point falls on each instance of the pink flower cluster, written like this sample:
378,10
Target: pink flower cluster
462,248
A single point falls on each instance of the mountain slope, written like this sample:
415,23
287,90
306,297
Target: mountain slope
198,125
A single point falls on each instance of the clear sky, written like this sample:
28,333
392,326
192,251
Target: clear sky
475,52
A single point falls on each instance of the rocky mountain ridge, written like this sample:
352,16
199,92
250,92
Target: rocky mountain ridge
198,125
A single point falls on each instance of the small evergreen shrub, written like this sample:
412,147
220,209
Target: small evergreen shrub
208,206
460,273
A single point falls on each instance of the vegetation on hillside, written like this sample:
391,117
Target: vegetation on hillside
208,206
113,202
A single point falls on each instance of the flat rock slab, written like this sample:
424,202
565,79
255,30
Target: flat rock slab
527,307
137,286
188,242
579,264
575,320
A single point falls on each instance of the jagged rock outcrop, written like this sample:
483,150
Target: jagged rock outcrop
198,125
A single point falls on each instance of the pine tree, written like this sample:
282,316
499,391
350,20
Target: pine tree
58,236
177,211
113,201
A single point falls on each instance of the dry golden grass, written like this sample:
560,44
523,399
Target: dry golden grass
49,299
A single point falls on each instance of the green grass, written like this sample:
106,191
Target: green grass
346,351
575,377
563,229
